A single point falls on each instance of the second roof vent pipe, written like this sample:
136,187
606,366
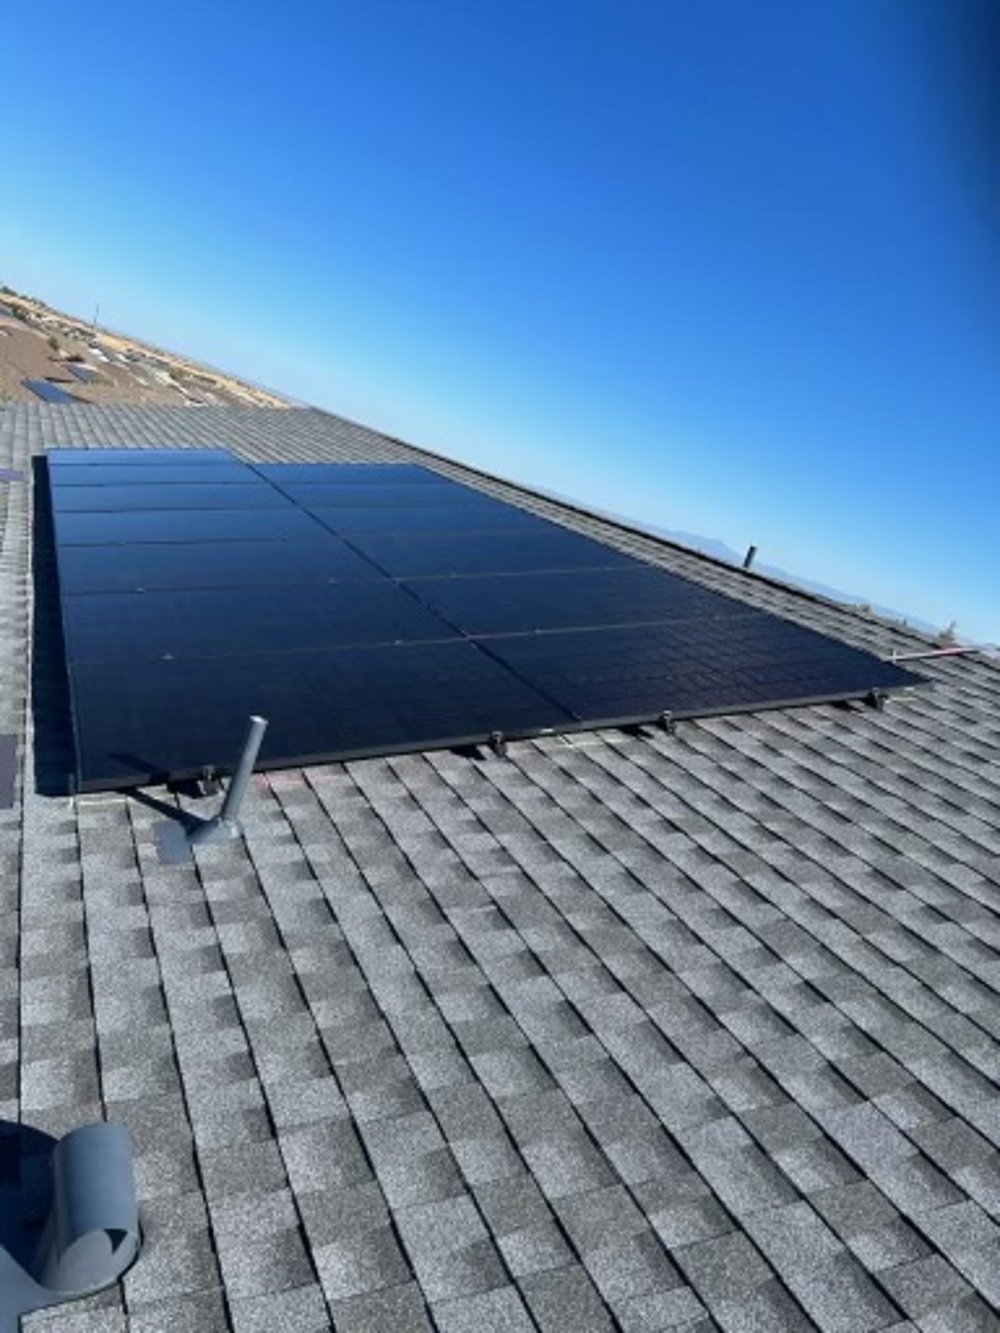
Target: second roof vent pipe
226,824
748,559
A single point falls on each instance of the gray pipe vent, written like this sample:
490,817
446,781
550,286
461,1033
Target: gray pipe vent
91,1234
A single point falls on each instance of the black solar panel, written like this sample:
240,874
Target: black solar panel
493,517
312,558
180,716
513,552
346,474
166,525
698,667
123,499
205,591
214,622
124,474
82,373
434,495
495,604
134,457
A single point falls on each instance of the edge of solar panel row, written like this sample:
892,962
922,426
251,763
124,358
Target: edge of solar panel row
364,614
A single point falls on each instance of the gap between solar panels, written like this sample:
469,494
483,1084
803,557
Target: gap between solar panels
373,609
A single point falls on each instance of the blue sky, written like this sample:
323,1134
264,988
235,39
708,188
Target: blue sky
723,267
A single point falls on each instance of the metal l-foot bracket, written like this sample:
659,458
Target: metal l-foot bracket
669,723
208,782
876,699
498,744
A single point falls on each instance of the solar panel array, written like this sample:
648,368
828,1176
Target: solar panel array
376,608
82,373
49,392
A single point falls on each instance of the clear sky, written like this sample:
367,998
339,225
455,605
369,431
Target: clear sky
727,267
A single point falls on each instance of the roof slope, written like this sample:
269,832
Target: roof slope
636,1032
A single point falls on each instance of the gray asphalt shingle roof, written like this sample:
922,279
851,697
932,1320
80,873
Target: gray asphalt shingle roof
639,1031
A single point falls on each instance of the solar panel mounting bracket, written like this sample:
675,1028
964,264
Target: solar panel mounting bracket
668,722
498,744
876,699
208,782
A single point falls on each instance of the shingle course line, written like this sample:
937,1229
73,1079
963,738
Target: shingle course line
863,1166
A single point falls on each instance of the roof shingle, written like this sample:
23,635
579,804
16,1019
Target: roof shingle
610,1033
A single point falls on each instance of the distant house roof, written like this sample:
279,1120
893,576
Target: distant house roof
638,1031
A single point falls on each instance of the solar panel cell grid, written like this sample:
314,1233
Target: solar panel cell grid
347,474
124,474
436,495
315,557
165,525
448,554
494,517
543,600
123,499
214,622
176,717
684,666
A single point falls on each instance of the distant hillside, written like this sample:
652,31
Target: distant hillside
722,551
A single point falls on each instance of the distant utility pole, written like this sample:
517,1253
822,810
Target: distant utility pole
93,327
